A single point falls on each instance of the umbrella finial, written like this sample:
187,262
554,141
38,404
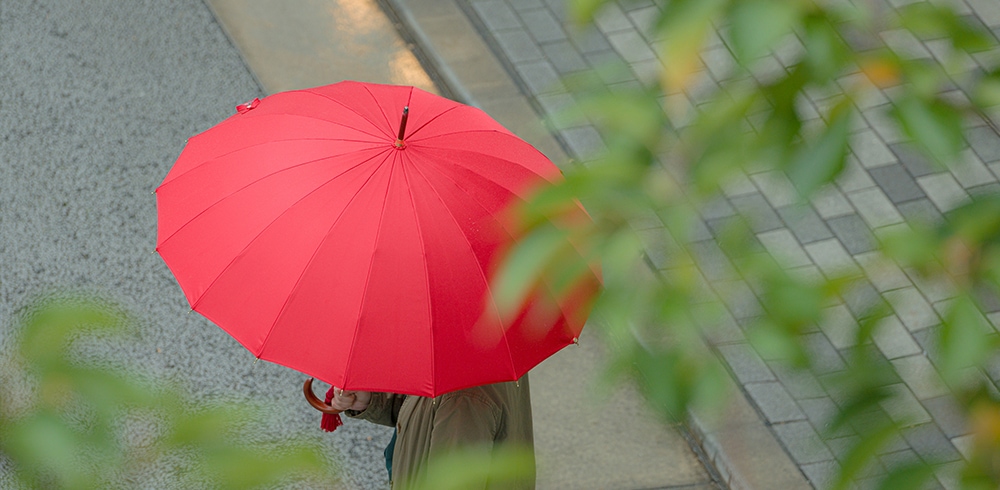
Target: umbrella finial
402,129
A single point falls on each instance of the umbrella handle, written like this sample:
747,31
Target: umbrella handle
316,403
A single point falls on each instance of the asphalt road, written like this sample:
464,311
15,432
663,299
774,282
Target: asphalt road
97,98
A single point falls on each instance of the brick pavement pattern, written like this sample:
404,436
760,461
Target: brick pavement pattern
885,184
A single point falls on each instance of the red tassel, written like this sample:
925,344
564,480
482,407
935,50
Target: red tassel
330,422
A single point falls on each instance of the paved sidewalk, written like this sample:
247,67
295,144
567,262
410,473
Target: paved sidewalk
885,183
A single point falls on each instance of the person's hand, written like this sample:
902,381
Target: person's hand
350,400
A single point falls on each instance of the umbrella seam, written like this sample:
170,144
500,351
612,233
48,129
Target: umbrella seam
252,240
252,116
371,262
345,106
424,125
427,272
248,184
479,266
215,158
302,274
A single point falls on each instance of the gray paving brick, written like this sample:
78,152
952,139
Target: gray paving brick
611,18
931,444
825,358
776,187
720,62
821,412
948,415
868,95
804,223
876,419
862,299
950,475
525,5
645,18
897,183
987,10
802,442
970,171
718,207
774,402
884,274
905,44
920,375
943,190
589,40
874,207
657,244
756,210
584,142
822,474
564,57
831,257
543,26
496,15
739,299
964,445
830,203
785,249
884,125
853,233
912,308
854,177
870,150
984,190
631,46
985,142
898,459
915,162
540,77
518,46
559,110
842,446
745,363
558,7
648,72
713,262
903,408
839,325
609,66
894,340
800,384
921,210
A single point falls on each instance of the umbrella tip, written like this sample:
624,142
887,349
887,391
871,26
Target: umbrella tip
400,144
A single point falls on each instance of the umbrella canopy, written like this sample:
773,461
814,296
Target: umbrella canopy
323,238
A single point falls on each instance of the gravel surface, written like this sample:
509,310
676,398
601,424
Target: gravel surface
97,98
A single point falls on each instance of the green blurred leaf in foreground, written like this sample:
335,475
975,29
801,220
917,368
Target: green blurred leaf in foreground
65,423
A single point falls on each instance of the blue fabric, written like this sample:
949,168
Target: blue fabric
388,453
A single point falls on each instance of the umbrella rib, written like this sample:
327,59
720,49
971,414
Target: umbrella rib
375,144
371,262
482,273
433,118
252,240
248,184
427,272
345,106
385,117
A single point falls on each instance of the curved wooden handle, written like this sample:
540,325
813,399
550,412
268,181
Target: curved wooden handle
307,390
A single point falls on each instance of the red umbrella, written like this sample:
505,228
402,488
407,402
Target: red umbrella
321,237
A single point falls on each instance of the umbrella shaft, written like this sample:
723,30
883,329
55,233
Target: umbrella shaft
402,127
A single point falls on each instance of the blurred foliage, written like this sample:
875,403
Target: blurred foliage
679,143
66,422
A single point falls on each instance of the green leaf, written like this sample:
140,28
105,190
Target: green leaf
826,54
821,161
962,338
583,11
755,25
934,125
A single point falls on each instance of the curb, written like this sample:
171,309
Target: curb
741,449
